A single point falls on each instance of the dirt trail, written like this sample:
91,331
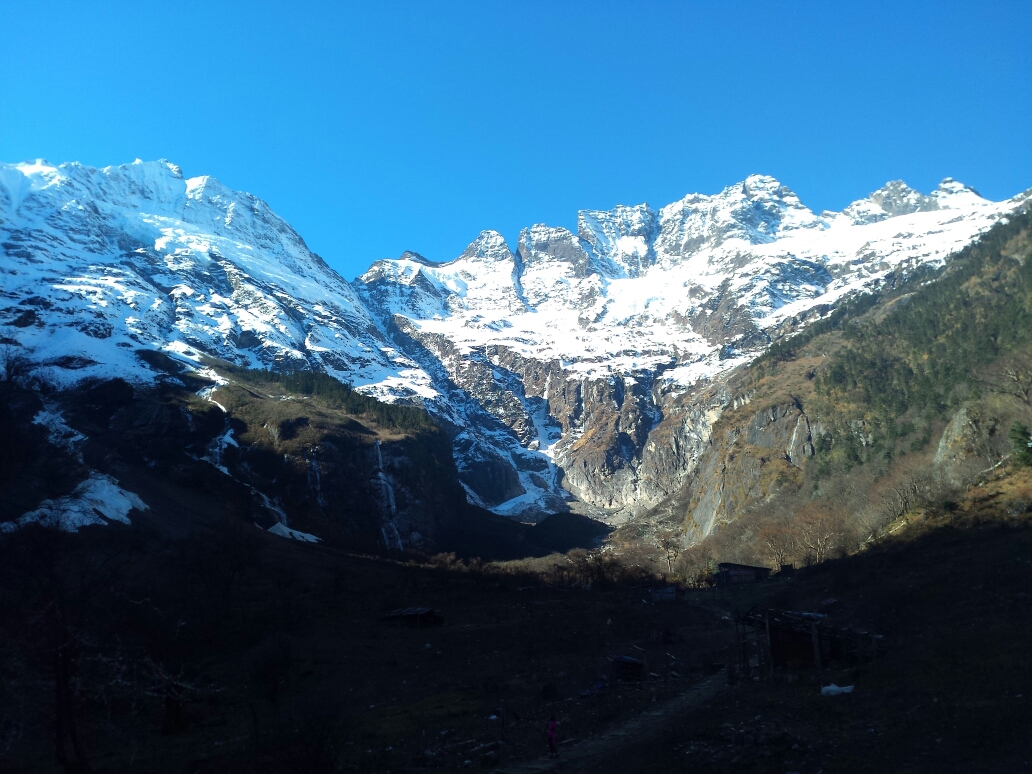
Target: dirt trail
577,753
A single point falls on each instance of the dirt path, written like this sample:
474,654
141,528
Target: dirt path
577,753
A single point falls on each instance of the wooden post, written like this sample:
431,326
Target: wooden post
816,647
740,648
770,652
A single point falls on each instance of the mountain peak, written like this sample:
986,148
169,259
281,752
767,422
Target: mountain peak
410,255
523,358
898,198
758,185
892,199
951,189
488,246
28,167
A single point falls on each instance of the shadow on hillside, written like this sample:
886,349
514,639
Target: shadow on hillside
494,538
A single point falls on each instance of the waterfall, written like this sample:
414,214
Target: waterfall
315,479
274,507
391,536
386,490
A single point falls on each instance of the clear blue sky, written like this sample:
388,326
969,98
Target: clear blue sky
384,127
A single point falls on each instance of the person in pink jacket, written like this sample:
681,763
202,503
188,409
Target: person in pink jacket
553,751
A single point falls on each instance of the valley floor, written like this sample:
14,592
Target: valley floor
239,654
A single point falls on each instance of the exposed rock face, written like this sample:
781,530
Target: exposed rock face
583,365
784,428
952,448
297,468
755,454
583,347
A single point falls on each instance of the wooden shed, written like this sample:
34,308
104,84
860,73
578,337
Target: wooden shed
731,574
785,638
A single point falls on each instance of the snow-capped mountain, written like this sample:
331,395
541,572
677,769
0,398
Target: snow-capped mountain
583,344
566,367
635,287
99,263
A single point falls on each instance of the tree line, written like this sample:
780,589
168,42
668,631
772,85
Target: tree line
341,396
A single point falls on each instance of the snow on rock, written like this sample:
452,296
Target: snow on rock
677,296
97,500
293,534
60,434
623,235
100,263
627,292
551,365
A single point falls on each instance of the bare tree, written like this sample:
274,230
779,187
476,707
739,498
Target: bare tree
776,541
671,545
907,490
14,370
696,565
1013,377
14,365
819,530
868,521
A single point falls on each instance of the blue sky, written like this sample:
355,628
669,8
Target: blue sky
384,127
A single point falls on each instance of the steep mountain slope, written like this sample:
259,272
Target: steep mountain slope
300,456
578,371
98,263
891,403
598,352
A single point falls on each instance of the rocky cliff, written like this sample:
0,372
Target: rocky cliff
579,370
600,353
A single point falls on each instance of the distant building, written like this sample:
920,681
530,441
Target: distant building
666,594
731,574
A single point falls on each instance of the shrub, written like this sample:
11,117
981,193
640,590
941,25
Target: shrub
1021,437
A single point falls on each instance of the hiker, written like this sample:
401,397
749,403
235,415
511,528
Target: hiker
553,751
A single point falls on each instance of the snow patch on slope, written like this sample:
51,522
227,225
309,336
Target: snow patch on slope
97,500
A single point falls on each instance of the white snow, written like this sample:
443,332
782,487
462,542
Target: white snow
135,257
120,259
626,294
293,534
60,433
754,240
97,500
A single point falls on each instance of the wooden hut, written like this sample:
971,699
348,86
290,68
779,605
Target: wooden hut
731,574
785,638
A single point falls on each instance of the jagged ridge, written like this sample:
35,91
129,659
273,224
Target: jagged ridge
575,365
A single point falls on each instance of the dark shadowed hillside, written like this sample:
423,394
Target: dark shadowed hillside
299,454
